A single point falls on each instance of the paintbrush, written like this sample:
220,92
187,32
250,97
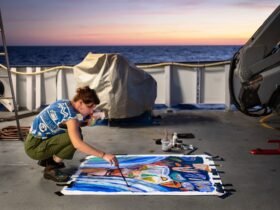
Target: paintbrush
123,176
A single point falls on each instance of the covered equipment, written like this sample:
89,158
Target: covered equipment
124,90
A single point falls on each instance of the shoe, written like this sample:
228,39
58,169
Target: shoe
55,175
50,162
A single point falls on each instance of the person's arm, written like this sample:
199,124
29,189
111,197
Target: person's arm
79,144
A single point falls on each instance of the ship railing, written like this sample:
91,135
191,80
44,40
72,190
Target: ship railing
177,83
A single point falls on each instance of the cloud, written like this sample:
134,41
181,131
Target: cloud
145,6
256,4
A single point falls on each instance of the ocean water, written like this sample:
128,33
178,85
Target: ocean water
72,55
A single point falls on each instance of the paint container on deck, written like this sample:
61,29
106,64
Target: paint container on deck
98,115
165,145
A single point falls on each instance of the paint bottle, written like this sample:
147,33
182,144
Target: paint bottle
174,139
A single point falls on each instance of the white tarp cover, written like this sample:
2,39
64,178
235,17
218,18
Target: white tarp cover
124,90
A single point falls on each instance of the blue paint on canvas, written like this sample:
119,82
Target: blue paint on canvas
145,174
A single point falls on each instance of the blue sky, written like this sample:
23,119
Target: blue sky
138,22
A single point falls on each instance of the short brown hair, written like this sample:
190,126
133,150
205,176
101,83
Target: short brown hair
87,95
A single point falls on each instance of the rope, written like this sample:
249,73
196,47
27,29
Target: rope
11,132
40,72
265,122
139,66
185,65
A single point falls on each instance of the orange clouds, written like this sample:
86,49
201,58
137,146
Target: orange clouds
142,22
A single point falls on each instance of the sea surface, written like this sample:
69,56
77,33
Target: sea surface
72,55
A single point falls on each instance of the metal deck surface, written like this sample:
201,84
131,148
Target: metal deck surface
254,180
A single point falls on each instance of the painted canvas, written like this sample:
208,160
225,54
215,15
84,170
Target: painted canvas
147,174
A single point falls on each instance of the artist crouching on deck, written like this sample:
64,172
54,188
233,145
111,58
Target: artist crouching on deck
55,134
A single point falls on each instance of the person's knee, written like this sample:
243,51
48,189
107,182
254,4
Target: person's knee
66,153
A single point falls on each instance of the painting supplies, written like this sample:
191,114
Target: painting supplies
185,136
174,139
174,143
166,144
123,176
97,115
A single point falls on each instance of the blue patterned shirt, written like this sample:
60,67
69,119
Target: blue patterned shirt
46,123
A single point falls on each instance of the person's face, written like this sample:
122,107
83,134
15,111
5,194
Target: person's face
86,109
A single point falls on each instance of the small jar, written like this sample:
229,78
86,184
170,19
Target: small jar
165,145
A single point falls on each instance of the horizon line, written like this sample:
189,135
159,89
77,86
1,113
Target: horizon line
128,45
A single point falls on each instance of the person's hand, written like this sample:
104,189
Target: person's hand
111,159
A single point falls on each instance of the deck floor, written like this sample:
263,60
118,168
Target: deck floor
253,179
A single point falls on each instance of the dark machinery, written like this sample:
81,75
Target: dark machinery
254,79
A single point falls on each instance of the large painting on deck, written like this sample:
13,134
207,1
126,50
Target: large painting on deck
147,174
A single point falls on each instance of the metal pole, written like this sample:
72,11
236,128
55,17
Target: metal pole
10,77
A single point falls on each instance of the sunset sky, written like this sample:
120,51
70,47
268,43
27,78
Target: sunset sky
133,22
